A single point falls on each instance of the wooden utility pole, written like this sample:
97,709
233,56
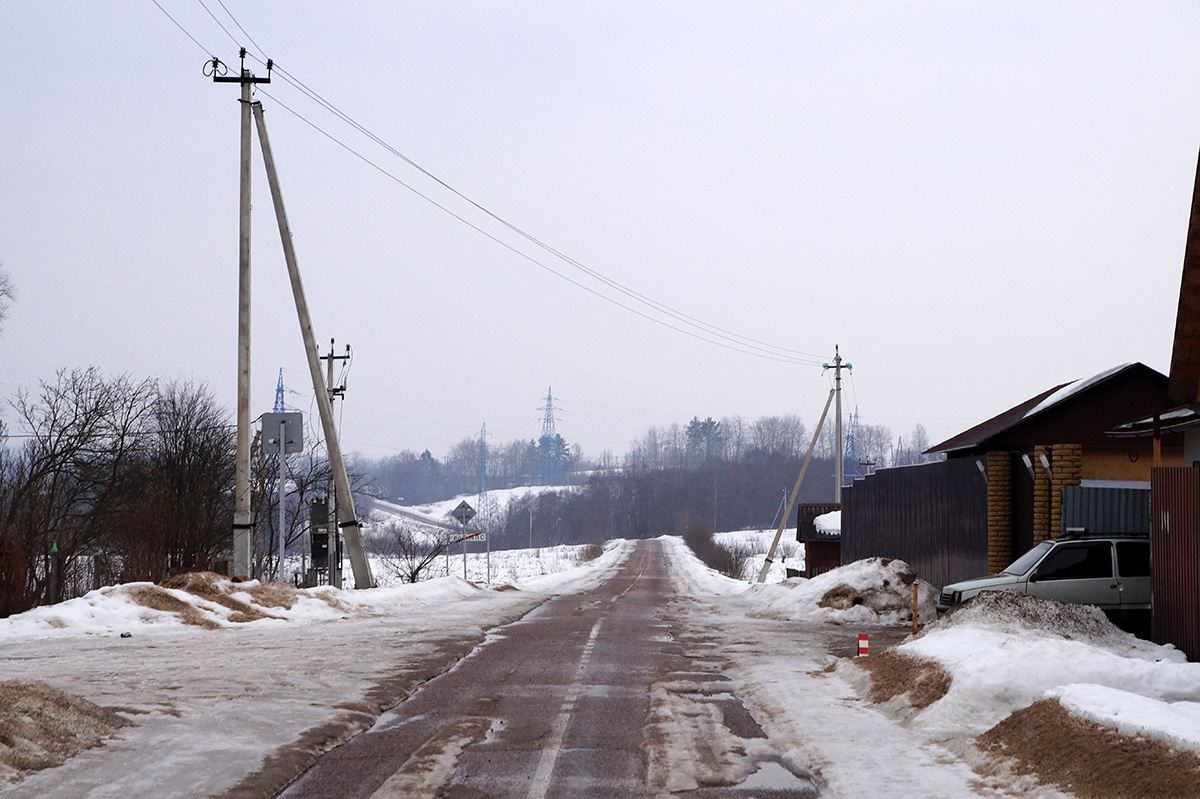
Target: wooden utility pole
243,522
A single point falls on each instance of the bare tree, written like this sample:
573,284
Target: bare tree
8,293
408,551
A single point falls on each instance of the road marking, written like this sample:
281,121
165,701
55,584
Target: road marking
541,778
632,584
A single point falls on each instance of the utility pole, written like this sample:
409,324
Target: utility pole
347,517
839,469
335,569
242,521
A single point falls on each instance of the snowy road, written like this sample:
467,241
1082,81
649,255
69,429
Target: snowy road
639,674
590,695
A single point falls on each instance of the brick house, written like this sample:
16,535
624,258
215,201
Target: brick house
1005,481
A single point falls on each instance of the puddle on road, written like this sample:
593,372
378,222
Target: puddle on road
772,776
394,719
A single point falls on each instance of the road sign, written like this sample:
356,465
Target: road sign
292,430
464,512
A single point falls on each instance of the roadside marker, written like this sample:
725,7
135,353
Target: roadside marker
864,645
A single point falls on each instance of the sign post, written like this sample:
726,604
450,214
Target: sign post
464,513
283,433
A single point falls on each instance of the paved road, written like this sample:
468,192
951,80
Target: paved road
579,698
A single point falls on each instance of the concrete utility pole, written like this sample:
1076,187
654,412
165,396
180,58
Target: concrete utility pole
243,523
791,503
346,515
839,469
335,569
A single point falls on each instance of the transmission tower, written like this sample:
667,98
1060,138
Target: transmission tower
852,449
548,465
279,406
483,460
548,415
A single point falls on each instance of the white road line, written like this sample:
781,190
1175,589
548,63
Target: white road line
541,778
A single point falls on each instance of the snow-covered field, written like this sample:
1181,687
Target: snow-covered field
228,675
494,502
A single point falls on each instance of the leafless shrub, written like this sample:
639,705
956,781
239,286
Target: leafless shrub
589,552
698,535
409,550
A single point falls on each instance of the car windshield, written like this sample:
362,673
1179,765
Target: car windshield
1024,563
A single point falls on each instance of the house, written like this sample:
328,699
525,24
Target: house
1024,475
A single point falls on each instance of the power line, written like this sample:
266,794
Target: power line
185,31
632,293
744,350
709,333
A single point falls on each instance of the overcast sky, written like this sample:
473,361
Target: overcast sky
976,201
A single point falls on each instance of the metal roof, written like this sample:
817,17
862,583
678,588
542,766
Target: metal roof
1007,425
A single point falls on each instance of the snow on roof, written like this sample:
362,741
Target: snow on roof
829,524
1071,389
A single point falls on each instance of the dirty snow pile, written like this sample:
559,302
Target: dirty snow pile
208,601
871,591
1004,651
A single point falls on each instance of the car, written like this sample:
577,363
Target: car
1109,571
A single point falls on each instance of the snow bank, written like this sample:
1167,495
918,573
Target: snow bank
871,591
1005,651
208,601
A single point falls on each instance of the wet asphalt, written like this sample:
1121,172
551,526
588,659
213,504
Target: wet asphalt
557,704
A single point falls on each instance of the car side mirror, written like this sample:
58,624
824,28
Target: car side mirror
1033,576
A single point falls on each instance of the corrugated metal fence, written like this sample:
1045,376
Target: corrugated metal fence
1174,537
932,516
1106,510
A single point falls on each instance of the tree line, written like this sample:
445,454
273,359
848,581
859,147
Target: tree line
111,480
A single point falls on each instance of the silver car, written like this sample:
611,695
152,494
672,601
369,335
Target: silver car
1111,572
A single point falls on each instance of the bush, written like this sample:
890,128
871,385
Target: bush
589,552
698,535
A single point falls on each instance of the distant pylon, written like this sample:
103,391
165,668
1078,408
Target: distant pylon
548,415
279,406
483,457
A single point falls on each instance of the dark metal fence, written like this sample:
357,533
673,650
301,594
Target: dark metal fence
1106,510
932,516
1175,553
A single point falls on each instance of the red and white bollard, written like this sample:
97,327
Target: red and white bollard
864,645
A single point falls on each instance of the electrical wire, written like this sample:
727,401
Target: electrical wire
185,31
232,38
526,256
633,294
620,287
709,333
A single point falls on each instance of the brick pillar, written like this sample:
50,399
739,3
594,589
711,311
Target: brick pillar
1066,461
999,511
1041,496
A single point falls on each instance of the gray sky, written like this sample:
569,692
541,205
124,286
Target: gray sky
976,201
